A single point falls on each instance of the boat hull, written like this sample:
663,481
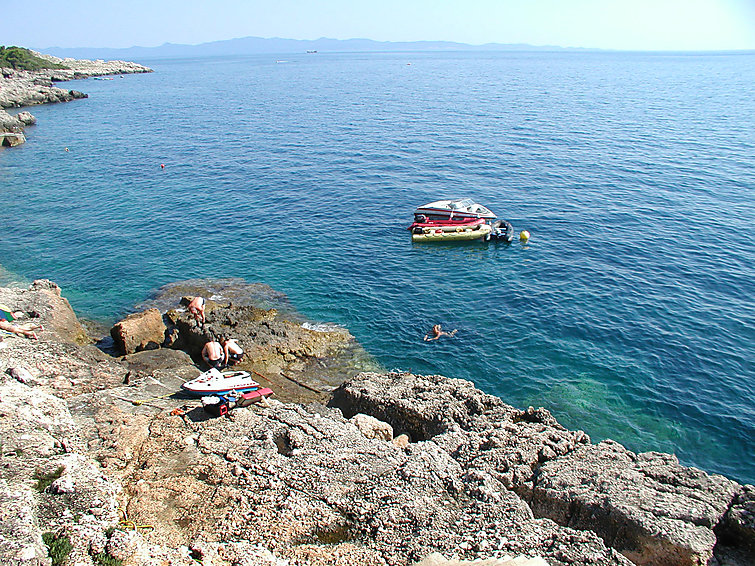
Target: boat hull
459,208
452,223
214,382
451,234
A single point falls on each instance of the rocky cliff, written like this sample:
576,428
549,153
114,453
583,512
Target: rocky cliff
25,88
104,461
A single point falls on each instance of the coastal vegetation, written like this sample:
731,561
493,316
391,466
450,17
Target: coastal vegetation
23,59
58,547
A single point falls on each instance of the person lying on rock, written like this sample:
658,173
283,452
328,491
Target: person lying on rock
232,351
196,308
7,323
436,332
17,329
213,354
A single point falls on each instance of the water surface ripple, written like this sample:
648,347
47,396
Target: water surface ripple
629,314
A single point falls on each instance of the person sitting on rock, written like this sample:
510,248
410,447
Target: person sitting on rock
196,308
436,332
232,350
213,354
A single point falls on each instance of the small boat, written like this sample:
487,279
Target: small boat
478,231
215,382
501,231
452,209
421,221
458,220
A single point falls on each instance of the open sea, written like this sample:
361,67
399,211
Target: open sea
630,314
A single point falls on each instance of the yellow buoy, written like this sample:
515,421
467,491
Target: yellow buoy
524,236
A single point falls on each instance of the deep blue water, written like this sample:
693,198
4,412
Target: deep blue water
630,313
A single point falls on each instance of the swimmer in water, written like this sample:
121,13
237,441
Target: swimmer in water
436,332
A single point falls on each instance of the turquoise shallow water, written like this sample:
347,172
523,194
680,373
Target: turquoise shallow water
629,314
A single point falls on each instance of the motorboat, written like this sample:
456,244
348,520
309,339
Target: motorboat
214,382
452,209
458,220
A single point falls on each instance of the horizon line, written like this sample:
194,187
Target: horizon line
418,41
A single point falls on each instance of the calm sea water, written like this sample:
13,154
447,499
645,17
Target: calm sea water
629,314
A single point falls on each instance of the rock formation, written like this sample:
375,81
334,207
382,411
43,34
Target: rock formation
25,88
139,331
106,458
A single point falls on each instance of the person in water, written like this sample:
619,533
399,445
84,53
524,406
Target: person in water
213,354
232,351
196,308
436,332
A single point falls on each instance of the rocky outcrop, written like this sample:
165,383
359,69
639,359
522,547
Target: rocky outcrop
303,362
25,88
647,506
115,461
139,331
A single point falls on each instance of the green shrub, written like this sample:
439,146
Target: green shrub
22,59
104,559
58,548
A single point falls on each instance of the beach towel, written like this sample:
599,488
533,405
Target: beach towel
6,313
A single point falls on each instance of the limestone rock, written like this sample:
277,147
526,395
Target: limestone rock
401,441
20,535
739,526
370,427
645,505
139,331
12,139
26,118
21,374
281,483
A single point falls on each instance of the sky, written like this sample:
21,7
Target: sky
687,25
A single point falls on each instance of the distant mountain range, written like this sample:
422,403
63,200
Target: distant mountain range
252,45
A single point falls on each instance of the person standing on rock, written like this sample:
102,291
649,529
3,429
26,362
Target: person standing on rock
232,351
196,308
213,354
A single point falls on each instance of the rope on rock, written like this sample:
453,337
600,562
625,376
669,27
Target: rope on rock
138,402
127,524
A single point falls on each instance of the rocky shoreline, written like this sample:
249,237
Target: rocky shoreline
103,456
26,88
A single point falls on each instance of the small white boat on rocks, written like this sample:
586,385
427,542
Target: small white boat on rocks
215,382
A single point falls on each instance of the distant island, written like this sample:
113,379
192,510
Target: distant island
252,45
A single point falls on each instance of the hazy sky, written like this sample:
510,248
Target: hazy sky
613,24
